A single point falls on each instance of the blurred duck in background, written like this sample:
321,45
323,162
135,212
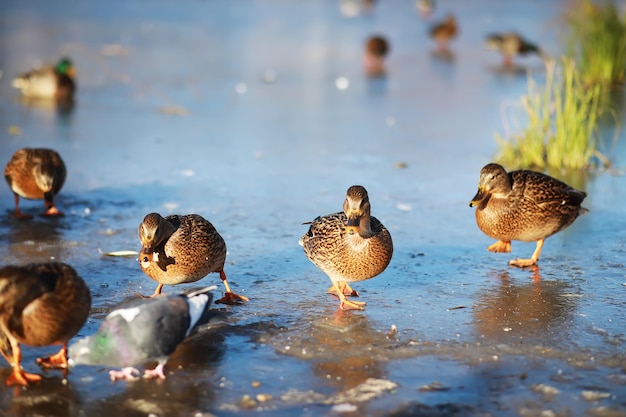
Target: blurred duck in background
376,50
49,82
511,44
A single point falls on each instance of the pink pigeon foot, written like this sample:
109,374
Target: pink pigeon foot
157,372
128,374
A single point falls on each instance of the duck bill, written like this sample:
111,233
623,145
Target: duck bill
352,227
480,195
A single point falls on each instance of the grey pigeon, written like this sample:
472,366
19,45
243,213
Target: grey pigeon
149,331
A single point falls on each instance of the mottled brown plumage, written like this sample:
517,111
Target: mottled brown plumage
36,173
376,50
181,249
511,44
443,32
349,246
40,305
523,205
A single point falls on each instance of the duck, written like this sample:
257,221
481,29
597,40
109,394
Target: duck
425,8
443,32
41,304
349,246
49,82
179,249
523,205
511,44
36,173
376,50
146,332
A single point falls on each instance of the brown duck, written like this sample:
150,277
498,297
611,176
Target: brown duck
523,205
36,173
349,246
180,249
376,50
40,305
445,31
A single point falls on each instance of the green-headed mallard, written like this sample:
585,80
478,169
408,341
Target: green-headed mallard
40,305
443,32
56,82
349,246
376,50
36,173
180,249
511,44
523,205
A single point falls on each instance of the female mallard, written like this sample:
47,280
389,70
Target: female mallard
40,305
443,32
511,44
49,82
523,205
376,50
349,246
178,249
36,173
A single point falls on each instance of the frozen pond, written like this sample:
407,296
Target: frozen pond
230,109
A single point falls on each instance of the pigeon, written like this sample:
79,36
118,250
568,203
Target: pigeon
148,331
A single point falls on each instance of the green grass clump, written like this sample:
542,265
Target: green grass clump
562,125
597,41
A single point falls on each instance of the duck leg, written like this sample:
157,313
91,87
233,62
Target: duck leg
533,259
345,289
19,376
58,360
500,246
347,304
230,297
17,213
51,210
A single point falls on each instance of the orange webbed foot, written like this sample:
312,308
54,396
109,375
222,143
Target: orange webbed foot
345,289
523,263
58,360
19,377
352,305
500,246
157,292
231,298
21,216
53,212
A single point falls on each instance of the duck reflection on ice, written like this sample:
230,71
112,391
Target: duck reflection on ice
343,348
515,312
52,397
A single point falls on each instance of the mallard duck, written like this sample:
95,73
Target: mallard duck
40,305
376,50
349,246
36,173
150,331
511,44
443,32
523,205
56,82
180,249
